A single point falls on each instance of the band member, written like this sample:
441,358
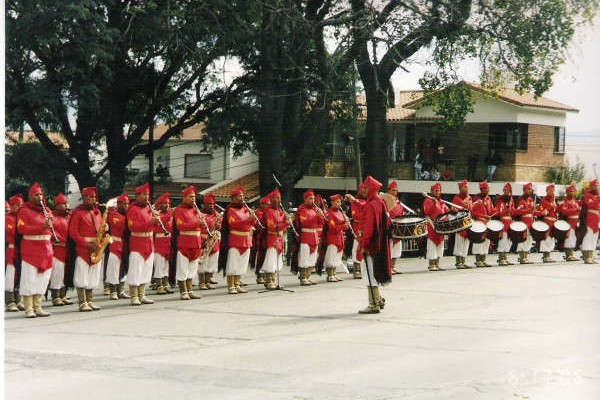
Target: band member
395,212
188,220
482,210
162,244
309,221
12,299
321,206
276,222
504,208
375,243
337,224
434,207
549,211
591,200
526,210
357,204
34,223
569,209
209,260
236,236
461,239
84,225
257,252
140,223
61,227
117,226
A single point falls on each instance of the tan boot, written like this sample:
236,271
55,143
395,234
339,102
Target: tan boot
336,277
28,303
89,296
570,255
121,291
160,289
379,300
231,289
83,305
193,296
309,274
134,296
56,300
167,285
483,261
9,302
523,258
260,278
63,295
356,273
304,281
142,295
106,289
330,275
202,281
372,308
114,292
547,258
211,280
238,284
432,266
183,294
272,281
37,306
588,257
461,263
19,300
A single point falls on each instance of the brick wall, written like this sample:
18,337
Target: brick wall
532,164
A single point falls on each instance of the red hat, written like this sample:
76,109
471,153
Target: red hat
17,199
124,198
373,184
165,198
571,188
594,182
436,186
239,190
393,185
61,199
209,199
89,191
335,197
362,185
308,193
35,189
549,187
144,189
508,186
188,191
265,200
528,186
6,204
484,184
275,193
463,183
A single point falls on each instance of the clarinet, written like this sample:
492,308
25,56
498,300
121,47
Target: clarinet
156,214
253,215
210,234
49,218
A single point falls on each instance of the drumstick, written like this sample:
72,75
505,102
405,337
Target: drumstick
407,208
447,202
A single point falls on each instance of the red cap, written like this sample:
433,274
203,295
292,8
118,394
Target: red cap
6,205
549,187
335,197
275,193
144,189
165,198
594,182
508,186
436,186
61,199
309,193
265,200
239,190
373,184
393,185
189,190
17,199
571,188
484,184
463,183
124,198
209,199
528,186
35,189
89,191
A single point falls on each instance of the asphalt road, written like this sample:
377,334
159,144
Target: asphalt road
518,332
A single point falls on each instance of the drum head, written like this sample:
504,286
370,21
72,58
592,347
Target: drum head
562,225
518,226
495,225
407,220
540,226
478,226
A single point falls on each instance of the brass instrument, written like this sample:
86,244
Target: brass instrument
253,215
102,236
157,214
290,220
49,219
213,238
202,219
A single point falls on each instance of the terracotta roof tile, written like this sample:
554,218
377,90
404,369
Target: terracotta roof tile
12,137
248,182
194,132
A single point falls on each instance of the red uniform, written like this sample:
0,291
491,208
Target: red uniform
36,246
117,225
356,209
504,209
592,201
375,226
465,202
189,241
549,205
276,222
336,225
83,228
526,210
240,226
310,221
482,208
10,228
139,223
61,227
570,209
433,209
211,222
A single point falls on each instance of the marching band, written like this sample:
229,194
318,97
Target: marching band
139,243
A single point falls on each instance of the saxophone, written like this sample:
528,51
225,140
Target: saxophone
213,238
102,237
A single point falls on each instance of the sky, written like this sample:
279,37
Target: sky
577,84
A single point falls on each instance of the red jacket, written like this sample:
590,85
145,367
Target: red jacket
276,222
83,229
310,223
482,208
526,210
37,249
240,227
139,223
336,225
467,203
570,209
549,207
356,209
189,240
433,209
117,225
10,229
375,226
504,210
211,221
592,201
61,227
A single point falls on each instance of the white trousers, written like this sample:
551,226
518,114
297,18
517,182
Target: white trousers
9,278
140,270
161,266
590,240
461,246
571,241
210,265
87,276
526,245
32,282
434,251
354,249
504,244
57,278
396,249
306,259
186,269
368,276
333,257
481,248
273,261
237,264
113,267
547,245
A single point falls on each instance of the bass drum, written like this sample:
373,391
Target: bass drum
477,232
561,230
409,227
540,230
494,229
452,222
518,231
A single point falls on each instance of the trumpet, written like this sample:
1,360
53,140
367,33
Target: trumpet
157,214
49,219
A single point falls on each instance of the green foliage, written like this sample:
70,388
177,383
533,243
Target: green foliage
566,174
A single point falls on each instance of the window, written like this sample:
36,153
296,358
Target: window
559,139
197,166
508,136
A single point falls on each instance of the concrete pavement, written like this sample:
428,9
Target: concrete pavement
518,332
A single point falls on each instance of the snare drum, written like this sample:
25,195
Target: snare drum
494,229
409,227
561,230
518,231
452,222
540,230
477,232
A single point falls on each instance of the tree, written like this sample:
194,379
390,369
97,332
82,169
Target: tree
116,67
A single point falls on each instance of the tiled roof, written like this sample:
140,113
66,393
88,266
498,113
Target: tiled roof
399,112
194,132
174,188
248,182
12,137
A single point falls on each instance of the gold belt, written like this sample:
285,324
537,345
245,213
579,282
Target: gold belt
594,212
161,235
59,244
190,233
240,233
527,216
116,239
573,216
90,239
142,234
11,246
506,217
311,230
278,233
36,237
550,218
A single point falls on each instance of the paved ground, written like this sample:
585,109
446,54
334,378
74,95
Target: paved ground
520,332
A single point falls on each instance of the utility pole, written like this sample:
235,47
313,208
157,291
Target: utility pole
151,158
355,129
